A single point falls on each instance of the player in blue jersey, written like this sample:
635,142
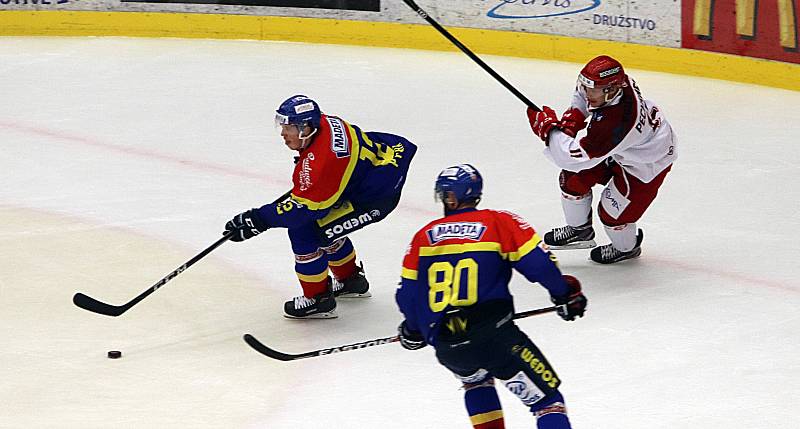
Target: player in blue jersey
344,179
454,296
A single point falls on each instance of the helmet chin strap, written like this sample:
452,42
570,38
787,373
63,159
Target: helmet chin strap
607,98
306,139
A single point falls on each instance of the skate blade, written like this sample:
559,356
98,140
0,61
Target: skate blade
366,294
326,315
576,245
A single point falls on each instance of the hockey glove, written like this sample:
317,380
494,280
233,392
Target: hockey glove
573,304
572,121
542,122
410,340
245,225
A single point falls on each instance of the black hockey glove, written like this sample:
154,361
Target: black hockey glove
573,304
410,340
245,225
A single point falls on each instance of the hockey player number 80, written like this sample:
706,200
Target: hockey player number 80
445,284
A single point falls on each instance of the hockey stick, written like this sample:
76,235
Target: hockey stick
266,351
88,303
470,54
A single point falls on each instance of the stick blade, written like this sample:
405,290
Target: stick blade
88,303
266,351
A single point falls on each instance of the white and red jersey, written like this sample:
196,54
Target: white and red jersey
629,129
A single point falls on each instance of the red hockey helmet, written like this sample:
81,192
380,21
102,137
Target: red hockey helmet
602,71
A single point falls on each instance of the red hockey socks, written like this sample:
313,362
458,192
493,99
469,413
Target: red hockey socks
314,288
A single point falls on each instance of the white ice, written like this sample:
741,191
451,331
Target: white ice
122,158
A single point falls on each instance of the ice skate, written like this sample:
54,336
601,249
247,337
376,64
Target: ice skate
571,237
355,286
322,306
607,254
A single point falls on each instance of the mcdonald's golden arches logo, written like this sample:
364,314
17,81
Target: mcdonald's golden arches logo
746,20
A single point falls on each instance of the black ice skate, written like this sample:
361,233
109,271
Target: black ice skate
571,237
608,254
355,286
322,306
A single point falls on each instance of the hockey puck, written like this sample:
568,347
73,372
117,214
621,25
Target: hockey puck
114,354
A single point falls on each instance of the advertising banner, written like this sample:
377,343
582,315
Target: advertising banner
647,22
754,28
366,5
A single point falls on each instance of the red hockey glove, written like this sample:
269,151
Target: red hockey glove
573,304
572,121
542,121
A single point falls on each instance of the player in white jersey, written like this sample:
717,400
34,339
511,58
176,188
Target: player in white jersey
626,145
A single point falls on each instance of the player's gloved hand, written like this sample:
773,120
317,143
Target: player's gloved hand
573,304
572,121
410,340
542,122
245,225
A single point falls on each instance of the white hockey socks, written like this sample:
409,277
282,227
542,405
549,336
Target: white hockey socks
623,237
577,210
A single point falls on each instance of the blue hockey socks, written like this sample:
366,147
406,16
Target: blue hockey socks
551,413
483,405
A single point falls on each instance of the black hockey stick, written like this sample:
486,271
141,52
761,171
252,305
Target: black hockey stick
470,54
88,303
266,351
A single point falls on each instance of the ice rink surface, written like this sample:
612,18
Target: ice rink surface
122,158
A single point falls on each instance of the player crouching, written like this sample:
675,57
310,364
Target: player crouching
611,135
344,179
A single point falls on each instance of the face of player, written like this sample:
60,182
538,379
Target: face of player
291,137
601,95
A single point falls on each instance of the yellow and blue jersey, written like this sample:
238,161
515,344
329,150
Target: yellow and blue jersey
465,259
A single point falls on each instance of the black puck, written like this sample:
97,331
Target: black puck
114,354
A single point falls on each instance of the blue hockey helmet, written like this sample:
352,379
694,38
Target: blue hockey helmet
299,110
463,180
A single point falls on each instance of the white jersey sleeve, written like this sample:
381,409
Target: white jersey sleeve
632,131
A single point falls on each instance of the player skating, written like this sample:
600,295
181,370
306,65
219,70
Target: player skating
344,179
627,145
454,296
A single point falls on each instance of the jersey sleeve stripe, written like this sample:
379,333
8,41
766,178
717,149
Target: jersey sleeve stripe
525,248
409,274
